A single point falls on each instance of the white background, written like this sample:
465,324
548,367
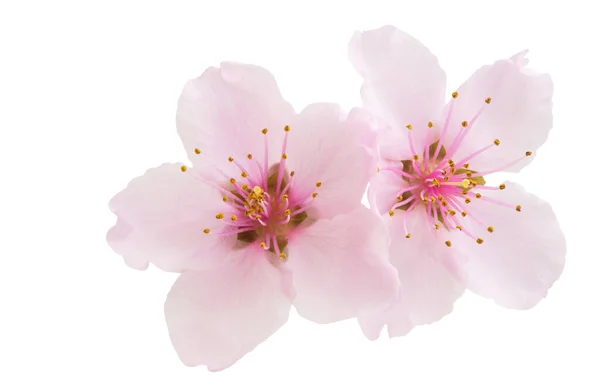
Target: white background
88,92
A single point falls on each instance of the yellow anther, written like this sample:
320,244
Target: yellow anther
230,159
292,173
465,123
408,235
436,182
490,229
416,158
319,184
287,212
451,163
446,178
469,173
183,168
391,213
465,183
284,156
459,227
232,180
466,166
220,216
502,186
528,153
448,243
430,125
480,241
440,198
399,198
437,226
286,128
206,231
225,198
464,213
265,130
234,217
432,199
496,142
445,202
314,195
452,212
409,126
263,245
477,195
518,207
443,172
454,95
378,169
244,174
488,100
245,187
249,156
257,190
283,255
284,197
197,151
467,200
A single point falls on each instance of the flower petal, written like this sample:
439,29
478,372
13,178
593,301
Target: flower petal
396,317
519,114
325,146
161,218
340,267
217,316
223,111
517,263
430,279
403,81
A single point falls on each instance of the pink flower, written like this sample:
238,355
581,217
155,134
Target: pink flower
270,214
450,230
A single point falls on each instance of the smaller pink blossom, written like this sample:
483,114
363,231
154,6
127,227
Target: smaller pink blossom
450,229
268,215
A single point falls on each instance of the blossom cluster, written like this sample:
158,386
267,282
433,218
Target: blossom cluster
268,213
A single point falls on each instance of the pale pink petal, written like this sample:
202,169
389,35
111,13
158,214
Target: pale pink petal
430,278
396,317
525,254
223,111
383,191
403,81
161,218
217,316
339,152
340,267
519,114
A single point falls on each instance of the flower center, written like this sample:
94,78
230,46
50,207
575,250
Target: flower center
262,208
442,187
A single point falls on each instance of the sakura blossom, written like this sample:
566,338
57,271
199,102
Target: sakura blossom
450,229
267,215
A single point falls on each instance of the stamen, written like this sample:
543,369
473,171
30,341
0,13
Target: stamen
183,168
197,151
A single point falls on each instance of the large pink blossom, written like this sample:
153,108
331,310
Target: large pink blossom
450,230
268,215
